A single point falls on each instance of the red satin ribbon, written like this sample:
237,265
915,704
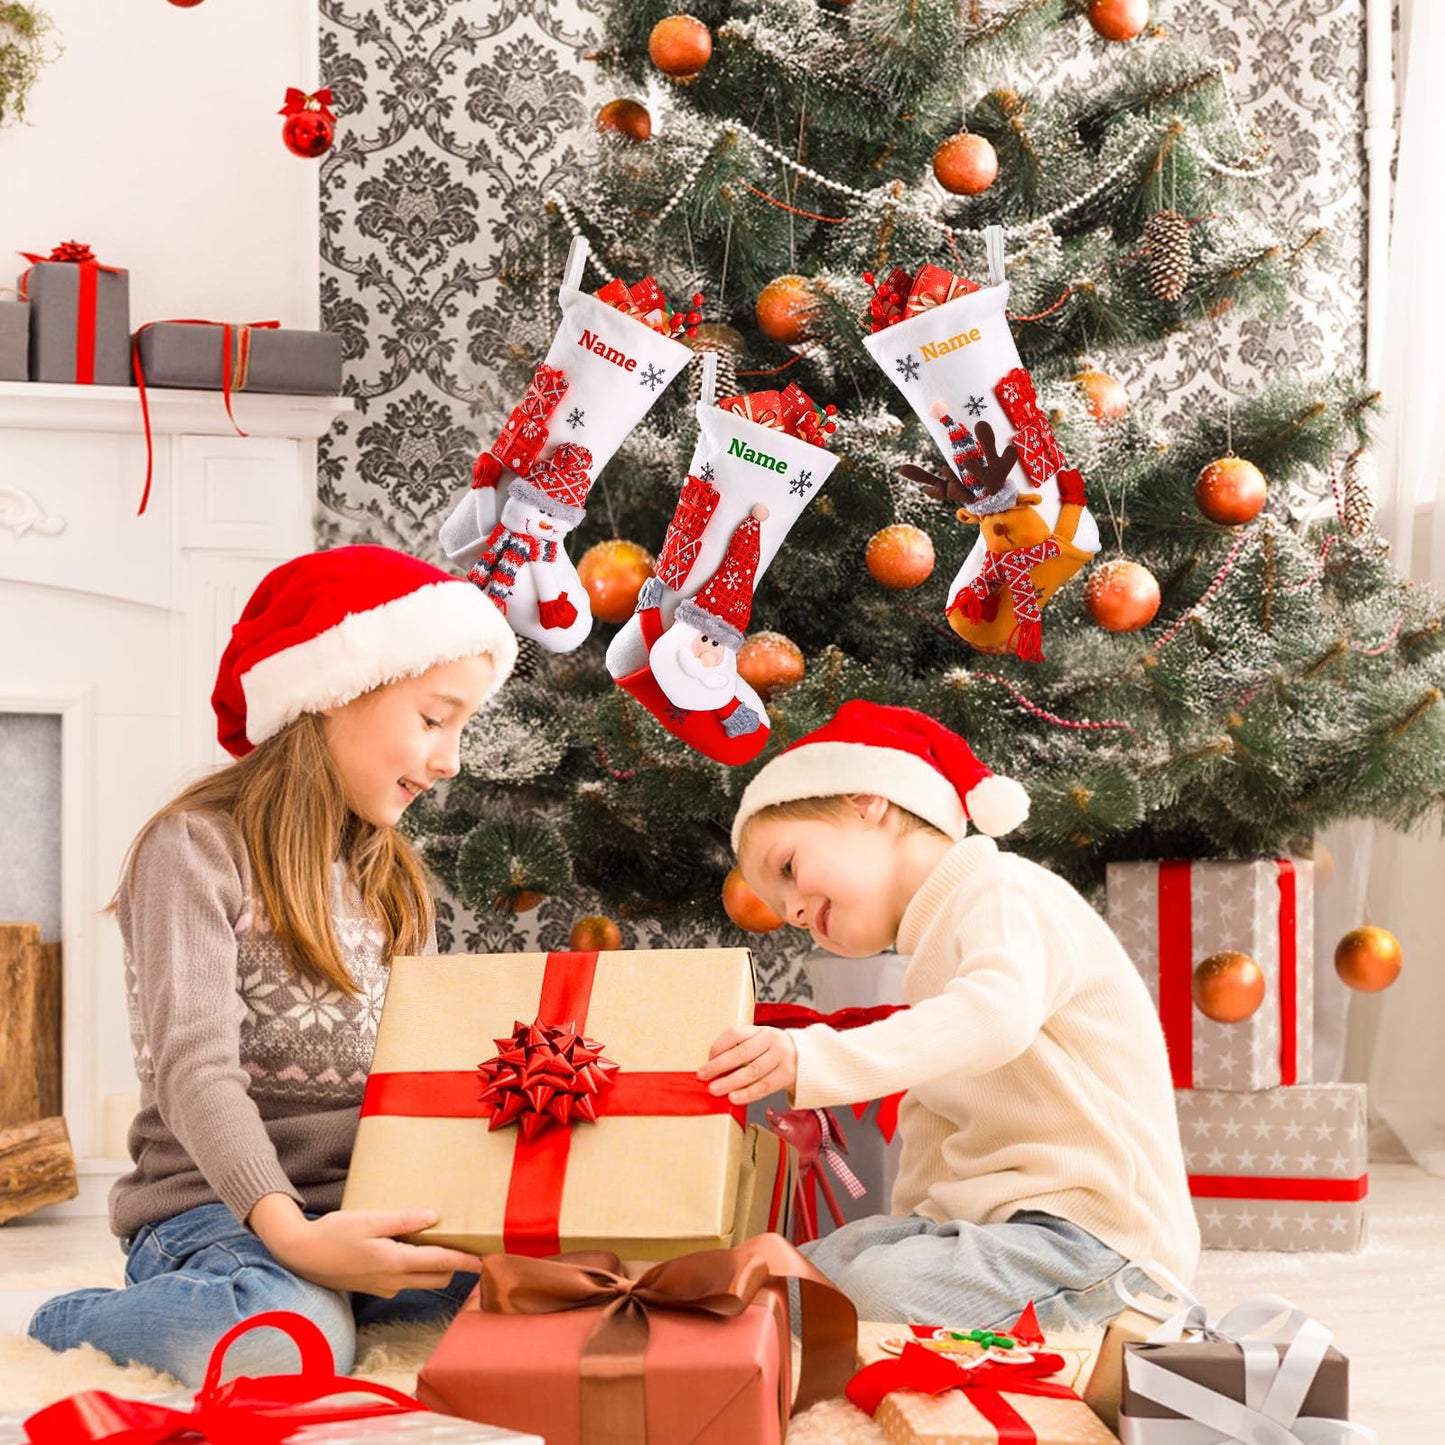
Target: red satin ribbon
244,1411
86,310
1288,976
531,1224
1246,1186
243,365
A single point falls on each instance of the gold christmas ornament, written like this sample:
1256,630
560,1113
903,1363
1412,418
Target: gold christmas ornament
899,557
784,309
1228,987
613,573
744,906
1118,19
1166,248
1106,398
965,164
680,45
770,663
624,117
1122,596
1368,959
596,933
1231,491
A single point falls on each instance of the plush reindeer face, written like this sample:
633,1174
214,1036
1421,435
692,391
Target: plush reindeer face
1022,525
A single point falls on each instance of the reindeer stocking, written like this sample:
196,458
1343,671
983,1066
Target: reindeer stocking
757,462
611,358
946,345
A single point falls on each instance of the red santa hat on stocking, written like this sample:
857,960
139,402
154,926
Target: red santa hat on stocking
326,627
559,486
895,753
722,608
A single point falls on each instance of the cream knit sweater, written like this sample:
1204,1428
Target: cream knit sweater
1033,1059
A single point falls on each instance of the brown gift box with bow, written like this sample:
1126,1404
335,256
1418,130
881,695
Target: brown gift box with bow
694,1351
662,1170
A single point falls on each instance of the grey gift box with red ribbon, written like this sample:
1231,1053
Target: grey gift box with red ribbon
79,322
14,341
263,358
1171,916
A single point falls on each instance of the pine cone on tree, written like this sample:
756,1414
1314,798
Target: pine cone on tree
1166,245
1358,511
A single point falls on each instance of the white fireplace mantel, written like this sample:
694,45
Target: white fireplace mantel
116,622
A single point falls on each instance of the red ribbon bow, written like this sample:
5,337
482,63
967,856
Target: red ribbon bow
73,251
544,1074
244,1411
299,100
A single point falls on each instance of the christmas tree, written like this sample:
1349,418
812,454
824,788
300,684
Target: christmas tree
1286,678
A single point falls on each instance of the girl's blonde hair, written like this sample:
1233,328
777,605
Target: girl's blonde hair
836,808
287,801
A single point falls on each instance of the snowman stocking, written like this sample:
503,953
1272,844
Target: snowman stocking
613,355
748,482
946,345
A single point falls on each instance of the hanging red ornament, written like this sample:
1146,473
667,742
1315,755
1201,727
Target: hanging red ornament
1231,491
1106,398
1121,595
680,45
899,557
185,4
625,117
965,164
784,308
1118,19
310,125
1228,987
1368,959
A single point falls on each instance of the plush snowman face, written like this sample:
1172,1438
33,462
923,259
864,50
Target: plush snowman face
696,670
520,515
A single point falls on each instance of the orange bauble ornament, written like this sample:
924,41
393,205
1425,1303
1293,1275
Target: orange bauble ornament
965,164
1106,398
628,118
524,900
596,933
1231,491
1228,987
1118,19
899,557
744,906
784,309
1121,595
1368,959
680,45
613,573
770,663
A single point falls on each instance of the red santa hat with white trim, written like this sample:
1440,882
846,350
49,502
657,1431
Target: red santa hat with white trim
724,605
894,753
326,627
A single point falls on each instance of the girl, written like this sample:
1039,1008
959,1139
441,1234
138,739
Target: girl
259,911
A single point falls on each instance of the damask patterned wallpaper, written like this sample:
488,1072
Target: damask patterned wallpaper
458,116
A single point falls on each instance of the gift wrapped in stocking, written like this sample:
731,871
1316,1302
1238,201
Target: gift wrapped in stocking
946,345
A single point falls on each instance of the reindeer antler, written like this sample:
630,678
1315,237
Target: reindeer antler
945,488
988,466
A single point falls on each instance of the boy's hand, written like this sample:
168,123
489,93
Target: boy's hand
750,1063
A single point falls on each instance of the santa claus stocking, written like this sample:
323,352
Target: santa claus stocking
946,345
613,355
748,482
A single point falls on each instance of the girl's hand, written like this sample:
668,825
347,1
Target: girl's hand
355,1249
749,1063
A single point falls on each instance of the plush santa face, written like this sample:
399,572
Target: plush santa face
696,670
520,515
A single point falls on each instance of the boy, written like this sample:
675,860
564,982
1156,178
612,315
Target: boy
1040,1144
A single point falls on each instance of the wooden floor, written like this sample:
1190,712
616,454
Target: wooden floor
1385,1304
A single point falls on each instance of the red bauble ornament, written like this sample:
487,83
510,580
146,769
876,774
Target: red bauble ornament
1121,595
1368,959
784,309
899,557
1228,987
628,118
770,663
613,573
1106,398
524,900
185,4
1118,19
596,933
744,906
1231,491
680,45
310,125
965,164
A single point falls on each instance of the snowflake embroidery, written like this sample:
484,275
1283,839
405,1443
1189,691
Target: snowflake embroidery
317,1006
975,406
372,997
651,378
676,715
707,474
799,485
574,417
255,991
907,367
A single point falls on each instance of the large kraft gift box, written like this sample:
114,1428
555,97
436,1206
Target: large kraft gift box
1207,1382
1171,916
1279,1168
660,1171
79,319
262,357
693,1351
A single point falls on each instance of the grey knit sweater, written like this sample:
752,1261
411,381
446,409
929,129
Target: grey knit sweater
251,1076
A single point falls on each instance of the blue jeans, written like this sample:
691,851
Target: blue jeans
191,1278
976,1276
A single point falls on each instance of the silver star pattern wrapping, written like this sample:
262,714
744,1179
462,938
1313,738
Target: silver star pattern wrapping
1277,1168
1226,906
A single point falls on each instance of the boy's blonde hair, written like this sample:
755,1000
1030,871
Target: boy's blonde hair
836,808
287,801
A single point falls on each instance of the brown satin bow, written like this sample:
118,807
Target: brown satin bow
722,1282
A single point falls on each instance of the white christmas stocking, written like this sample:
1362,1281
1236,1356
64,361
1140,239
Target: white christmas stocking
953,357
746,486
605,368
